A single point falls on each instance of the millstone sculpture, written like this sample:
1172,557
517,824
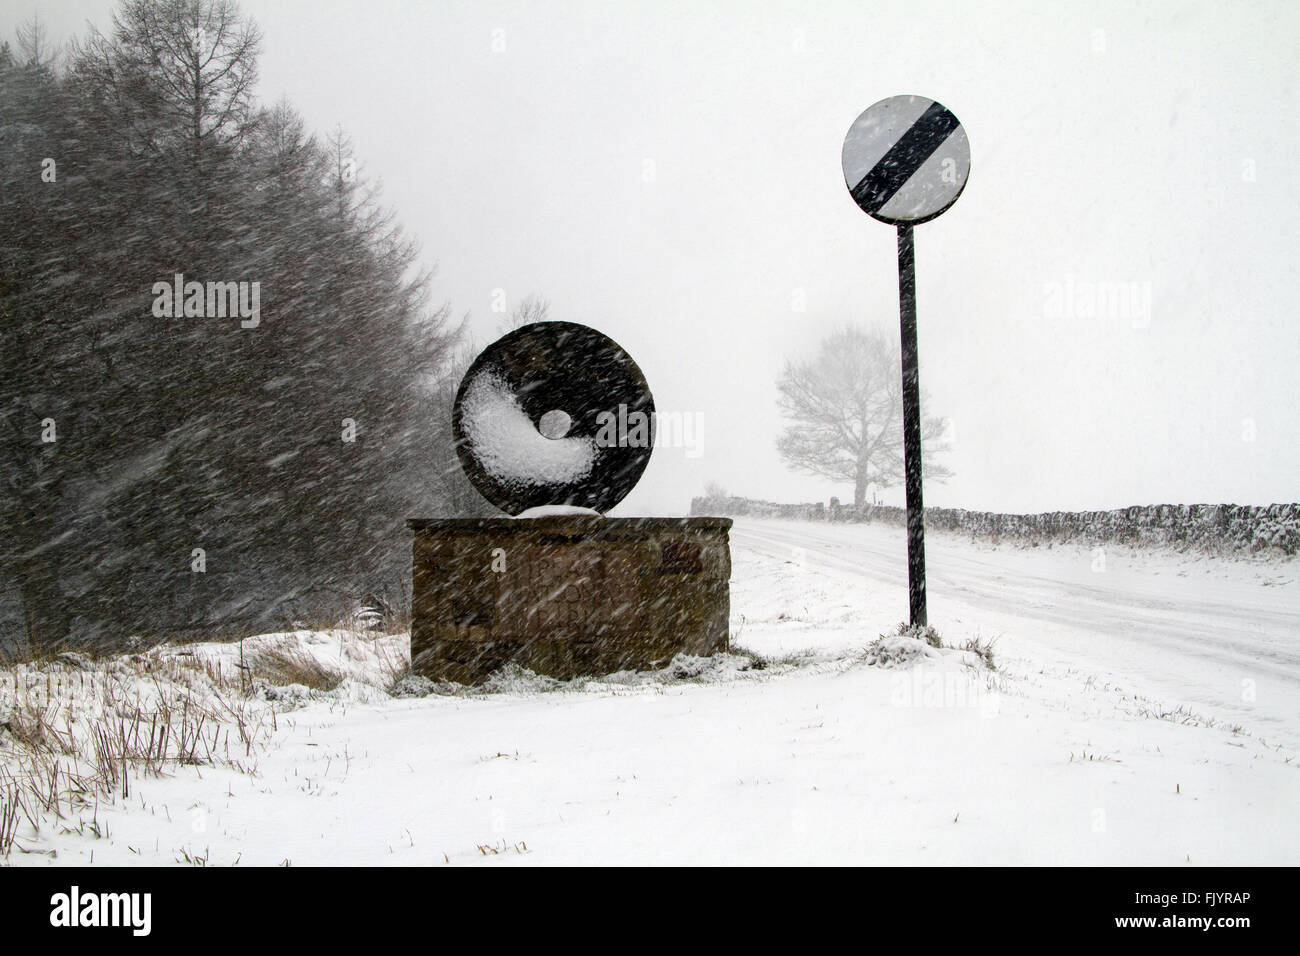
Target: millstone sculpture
554,424
537,414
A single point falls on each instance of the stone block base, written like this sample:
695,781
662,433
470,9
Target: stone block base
566,595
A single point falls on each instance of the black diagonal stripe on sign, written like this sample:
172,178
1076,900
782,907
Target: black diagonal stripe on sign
904,158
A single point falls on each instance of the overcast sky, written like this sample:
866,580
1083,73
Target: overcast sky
670,174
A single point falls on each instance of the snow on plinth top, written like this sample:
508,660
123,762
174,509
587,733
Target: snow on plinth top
551,511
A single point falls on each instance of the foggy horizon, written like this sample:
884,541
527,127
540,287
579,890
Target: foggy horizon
670,175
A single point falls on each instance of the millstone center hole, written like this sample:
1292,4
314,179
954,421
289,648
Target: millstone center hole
555,424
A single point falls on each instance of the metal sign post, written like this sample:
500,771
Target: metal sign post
911,427
906,160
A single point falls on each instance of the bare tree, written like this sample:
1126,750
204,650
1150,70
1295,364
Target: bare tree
531,308
343,168
192,62
34,43
846,405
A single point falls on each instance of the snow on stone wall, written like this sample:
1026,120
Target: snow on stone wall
1209,528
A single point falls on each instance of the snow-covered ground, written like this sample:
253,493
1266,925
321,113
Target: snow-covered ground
1147,713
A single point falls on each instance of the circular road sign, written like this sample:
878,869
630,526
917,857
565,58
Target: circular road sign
906,160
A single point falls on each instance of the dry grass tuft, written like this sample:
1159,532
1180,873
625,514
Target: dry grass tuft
76,729
72,733
289,664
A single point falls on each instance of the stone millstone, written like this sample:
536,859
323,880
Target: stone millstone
567,595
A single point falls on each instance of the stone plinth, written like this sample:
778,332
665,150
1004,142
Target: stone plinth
566,595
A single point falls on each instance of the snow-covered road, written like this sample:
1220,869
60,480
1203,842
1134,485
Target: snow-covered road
1222,636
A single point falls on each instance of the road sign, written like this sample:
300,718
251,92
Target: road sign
906,160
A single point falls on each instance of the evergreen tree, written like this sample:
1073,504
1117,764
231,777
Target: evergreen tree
286,451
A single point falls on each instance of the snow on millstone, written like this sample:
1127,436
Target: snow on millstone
509,446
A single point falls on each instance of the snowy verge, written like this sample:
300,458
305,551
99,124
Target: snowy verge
825,736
